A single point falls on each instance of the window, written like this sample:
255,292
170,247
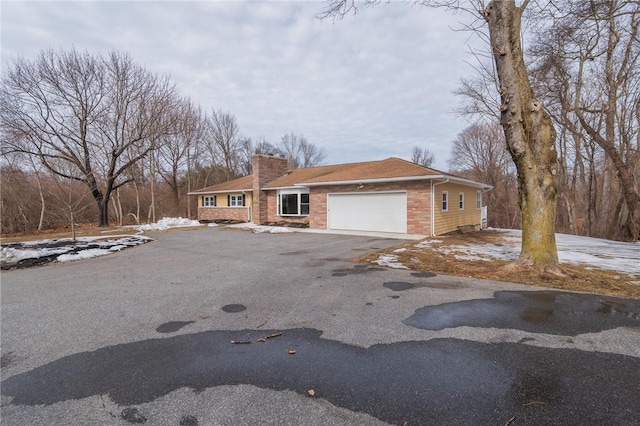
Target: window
478,200
293,203
461,201
445,201
208,201
236,200
304,203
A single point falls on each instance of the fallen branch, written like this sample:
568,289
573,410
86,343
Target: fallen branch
269,336
533,403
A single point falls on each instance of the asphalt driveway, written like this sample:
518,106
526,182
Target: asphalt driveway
146,335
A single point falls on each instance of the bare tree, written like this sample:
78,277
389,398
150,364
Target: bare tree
300,152
588,61
479,153
175,148
422,156
481,148
224,141
528,128
81,114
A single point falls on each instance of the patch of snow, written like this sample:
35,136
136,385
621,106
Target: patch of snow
257,229
389,260
427,243
11,255
594,252
470,257
83,254
212,225
400,250
168,222
64,249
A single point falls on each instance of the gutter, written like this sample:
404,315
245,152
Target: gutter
224,191
398,179
376,180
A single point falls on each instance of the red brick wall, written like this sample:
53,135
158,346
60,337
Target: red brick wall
266,168
217,213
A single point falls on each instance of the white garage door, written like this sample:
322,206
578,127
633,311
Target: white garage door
371,211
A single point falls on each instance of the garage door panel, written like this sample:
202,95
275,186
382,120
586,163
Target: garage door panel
381,212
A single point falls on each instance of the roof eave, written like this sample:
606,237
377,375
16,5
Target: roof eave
221,191
468,182
295,186
375,180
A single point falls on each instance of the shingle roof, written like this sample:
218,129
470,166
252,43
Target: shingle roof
241,184
390,169
383,169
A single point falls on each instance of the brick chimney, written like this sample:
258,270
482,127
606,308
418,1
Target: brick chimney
266,168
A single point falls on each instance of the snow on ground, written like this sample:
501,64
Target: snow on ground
260,228
390,260
604,254
166,223
64,249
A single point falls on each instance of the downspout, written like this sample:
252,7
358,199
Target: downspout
484,191
244,197
433,206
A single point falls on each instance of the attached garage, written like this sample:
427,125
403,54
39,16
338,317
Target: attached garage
369,211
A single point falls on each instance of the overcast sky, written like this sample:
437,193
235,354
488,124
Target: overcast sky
364,88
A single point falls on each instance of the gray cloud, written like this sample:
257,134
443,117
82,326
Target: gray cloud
364,88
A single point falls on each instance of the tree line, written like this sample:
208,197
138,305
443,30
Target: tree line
584,67
92,137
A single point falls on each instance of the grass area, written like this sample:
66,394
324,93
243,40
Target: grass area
578,277
82,230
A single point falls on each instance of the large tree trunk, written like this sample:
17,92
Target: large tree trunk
530,137
103,211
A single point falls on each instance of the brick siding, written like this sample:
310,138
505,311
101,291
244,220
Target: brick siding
266,168
218,213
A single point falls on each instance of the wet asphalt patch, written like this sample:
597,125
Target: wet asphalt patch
132,415
233,308
356,270
402,285
172,326
294,253
397,285
423,274
189,420
549,312
7,359
440,381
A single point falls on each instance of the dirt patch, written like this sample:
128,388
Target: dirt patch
433,259
82,230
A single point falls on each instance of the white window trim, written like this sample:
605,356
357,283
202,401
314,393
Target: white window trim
444,199
234,198
289,192
212,197
478,200
461,201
